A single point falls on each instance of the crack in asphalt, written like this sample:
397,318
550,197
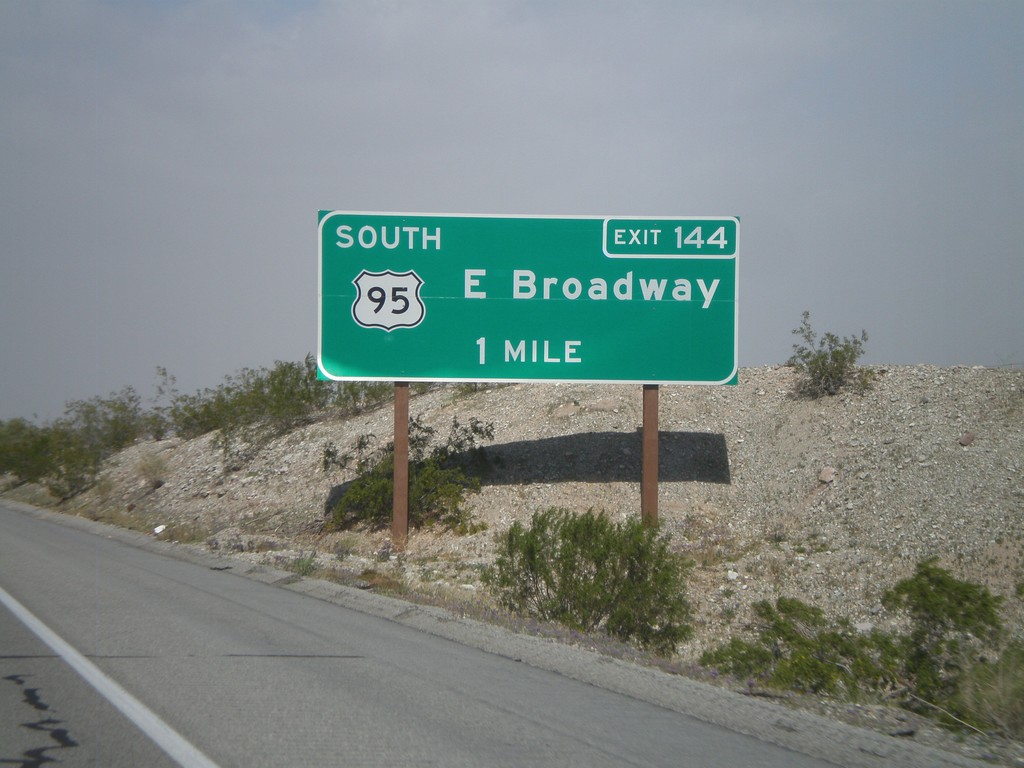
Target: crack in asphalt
60,737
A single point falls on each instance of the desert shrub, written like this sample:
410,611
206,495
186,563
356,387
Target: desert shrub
357,396
333,458
830,363
951,621
439,477
254,406
272,400
369,497
247,410
66,454
797,648
937,666
24,450
200,413
74,464
305,564
107,424
741,658
591,574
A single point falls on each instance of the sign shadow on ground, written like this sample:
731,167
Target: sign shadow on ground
608,457
597,457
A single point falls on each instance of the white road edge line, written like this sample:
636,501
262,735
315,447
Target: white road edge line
169,740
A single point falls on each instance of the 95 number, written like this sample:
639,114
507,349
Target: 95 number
379,297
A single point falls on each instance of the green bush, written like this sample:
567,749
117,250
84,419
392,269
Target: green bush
24,450
256,405
741,658
247,410
590,574
270,400
74,462
357,396
797,648
828,364
66,455
951,621
89,432
938,666
438,478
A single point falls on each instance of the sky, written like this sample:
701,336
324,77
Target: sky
162,164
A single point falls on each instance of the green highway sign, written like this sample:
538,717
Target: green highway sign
439,297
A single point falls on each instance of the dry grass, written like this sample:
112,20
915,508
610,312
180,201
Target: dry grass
186,533
153,468
710,545
383,582
994,692
123,517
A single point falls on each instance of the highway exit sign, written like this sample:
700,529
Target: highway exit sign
444,297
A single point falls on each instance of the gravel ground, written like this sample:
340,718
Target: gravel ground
831,501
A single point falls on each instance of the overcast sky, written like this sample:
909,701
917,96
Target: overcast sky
162,164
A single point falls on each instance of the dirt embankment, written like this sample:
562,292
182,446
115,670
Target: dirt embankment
829,500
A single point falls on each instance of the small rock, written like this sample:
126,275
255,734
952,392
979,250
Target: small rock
732,575
966,439
827,475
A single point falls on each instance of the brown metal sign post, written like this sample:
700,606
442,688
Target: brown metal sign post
400,509
649,479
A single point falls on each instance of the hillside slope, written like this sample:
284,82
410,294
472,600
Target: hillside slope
829,500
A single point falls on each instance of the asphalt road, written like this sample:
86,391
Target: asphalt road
117,650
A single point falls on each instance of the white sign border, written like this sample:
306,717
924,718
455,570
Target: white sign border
519,380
